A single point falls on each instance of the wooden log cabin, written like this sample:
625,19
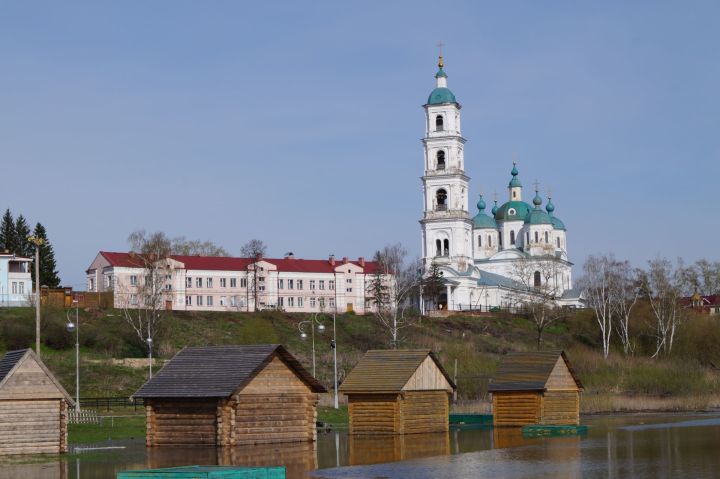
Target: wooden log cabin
398,392
33,406
535,388
231,396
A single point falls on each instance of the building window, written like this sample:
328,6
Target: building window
299,284
261,283
490,241
209,300
233,282
322,284
536,237
209,283
290,284
92,280
439,126
322,303
312,302
500,240
547,240
188,300
233,301
527,237
558,242
514,194
281,284
312,284
348,289
134,299
438,248
331,285
300,302
331,302
479,240
14,287
133,280
441,199
198,282
440,157
222,301
243,282
198,300
291,302
281,301
188,282
446,247
536,279
168,287
348,281
223,282
512,237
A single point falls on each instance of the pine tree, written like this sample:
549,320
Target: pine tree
433,285
22,231
8,236
48,274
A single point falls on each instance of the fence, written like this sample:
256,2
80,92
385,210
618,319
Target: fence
108,403
84,417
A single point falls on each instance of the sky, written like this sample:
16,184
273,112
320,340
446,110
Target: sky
299,123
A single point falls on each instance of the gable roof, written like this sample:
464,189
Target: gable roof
13,359
218,371
528,371
388,370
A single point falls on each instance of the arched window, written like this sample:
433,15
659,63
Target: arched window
527,237
536,279
446,247
438,248
439,123
536,237
547,238
512,237
440,160
558,242
441,197
514,194
480,240
490,240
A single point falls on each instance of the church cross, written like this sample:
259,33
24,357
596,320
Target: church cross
440,45
537,185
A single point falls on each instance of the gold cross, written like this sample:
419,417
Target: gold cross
440,46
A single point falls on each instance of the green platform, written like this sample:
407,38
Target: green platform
539,430
206,472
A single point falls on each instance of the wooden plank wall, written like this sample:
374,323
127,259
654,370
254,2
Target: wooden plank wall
374,413
29,381
516,408
560,377
424,412
427,377
561,408
178,422
33,427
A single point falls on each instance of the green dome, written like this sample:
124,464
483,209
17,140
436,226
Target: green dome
550,207
481,219
557,223
538,217
537,201
440,96
515,182
495,208
520,209
441,73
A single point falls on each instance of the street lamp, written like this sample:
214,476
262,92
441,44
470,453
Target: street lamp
303,335
76,327
149,342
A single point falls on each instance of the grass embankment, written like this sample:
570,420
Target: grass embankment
121,427
476,343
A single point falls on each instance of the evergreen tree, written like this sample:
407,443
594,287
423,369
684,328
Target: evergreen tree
8,236
433,285
48,274
22,231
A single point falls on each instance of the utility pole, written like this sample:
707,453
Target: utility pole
37,242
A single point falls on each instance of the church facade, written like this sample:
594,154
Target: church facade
514,254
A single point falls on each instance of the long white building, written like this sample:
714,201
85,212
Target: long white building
501,259
203,283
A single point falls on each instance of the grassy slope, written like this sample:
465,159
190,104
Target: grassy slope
476,344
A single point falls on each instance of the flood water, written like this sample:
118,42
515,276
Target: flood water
646,446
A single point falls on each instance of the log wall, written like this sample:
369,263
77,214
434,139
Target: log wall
424,412
33,427
516,408
178,422
561,407
374,413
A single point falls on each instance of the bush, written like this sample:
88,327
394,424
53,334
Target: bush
18,333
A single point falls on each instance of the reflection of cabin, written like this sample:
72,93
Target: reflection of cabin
33,406
231,395
398,392
535,388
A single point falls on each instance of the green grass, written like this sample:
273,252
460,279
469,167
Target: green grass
336,417
125,427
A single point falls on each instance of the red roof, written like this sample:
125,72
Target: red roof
226,263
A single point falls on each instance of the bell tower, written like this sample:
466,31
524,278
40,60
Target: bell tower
446,223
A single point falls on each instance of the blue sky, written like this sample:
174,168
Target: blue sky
299,123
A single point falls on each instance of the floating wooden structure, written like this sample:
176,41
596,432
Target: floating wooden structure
398,392
206,472
230,396
33,406
535,388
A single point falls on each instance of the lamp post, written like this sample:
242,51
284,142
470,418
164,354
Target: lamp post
333,345
149,342
303,335
76,327
37,242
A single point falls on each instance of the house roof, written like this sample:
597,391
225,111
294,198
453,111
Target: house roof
528,371
227,263
388,370
218,371
12,359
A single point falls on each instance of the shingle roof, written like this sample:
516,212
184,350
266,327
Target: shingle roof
218,371
387,370
9,361
528,371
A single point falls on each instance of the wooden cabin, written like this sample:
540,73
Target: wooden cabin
398,392
33,406
535,388
230,396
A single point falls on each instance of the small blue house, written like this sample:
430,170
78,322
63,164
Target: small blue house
15,280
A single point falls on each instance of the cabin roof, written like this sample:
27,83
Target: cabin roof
218,371
381,371
528,371
13,359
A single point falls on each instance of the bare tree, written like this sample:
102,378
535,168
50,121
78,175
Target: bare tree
393,288
254,249
182,246
144,302
662,286
626,293
597,285
539,277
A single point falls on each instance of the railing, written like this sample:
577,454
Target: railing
109,403
87,416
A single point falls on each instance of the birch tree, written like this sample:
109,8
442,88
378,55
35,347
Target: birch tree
254,249
626,293
597,284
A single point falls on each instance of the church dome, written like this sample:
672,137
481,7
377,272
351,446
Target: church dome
538,217
513,211
556,222
441,95
482,220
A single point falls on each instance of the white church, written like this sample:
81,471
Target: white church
504,258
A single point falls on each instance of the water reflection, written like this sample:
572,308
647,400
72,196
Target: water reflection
374,450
